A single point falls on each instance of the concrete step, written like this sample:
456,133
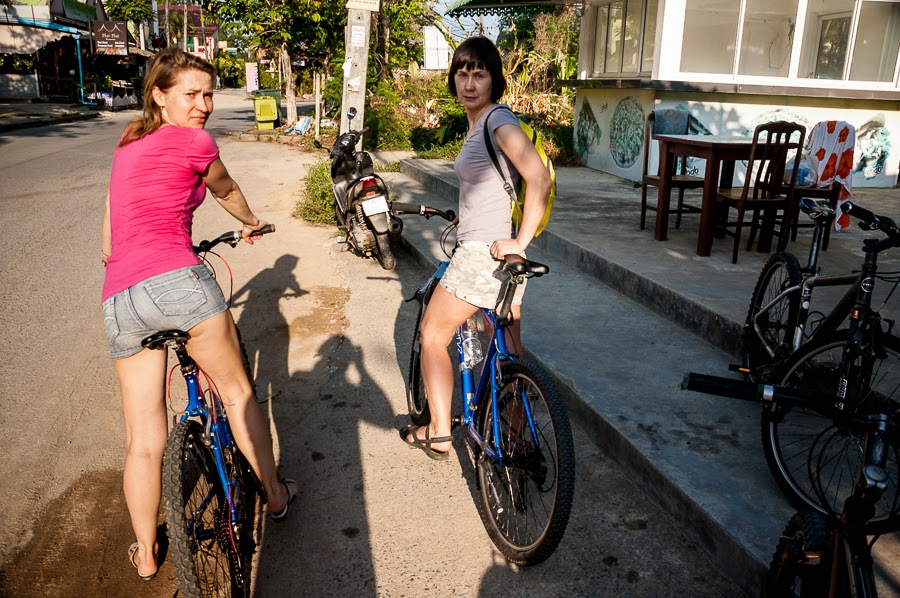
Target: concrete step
619,364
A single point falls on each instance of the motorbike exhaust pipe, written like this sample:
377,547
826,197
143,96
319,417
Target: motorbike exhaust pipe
396,226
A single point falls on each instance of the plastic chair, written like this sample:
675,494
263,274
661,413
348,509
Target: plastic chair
828,157
668,122
764,191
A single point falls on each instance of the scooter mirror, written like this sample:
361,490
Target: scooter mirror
351,113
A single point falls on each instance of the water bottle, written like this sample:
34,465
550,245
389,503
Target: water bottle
471,344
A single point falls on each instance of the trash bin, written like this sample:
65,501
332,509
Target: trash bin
266,112
275,94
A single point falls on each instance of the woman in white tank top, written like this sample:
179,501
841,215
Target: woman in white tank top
484,233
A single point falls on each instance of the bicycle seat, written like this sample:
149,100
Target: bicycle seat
519,265
165,338
816,208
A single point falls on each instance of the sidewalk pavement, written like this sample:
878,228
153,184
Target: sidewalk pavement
620,362
14,116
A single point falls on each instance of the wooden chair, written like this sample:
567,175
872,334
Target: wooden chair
668,125
829,154
764,192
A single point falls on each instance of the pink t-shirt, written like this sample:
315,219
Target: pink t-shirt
154,187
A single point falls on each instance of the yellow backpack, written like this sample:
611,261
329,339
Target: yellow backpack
517,194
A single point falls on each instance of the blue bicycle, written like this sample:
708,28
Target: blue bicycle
516,421
213,500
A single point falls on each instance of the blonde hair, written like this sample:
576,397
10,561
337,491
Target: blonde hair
162,73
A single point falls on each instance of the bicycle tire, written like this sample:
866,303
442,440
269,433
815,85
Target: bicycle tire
383,252
525,505
196,516
416,397
801,559
790,434
781,271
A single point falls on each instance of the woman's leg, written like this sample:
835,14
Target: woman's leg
445,313
214,346
142,379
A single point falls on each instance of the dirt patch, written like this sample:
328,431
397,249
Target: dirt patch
328,319
80,547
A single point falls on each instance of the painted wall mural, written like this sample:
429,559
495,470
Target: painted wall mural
622,115
588,133
873,147
626,132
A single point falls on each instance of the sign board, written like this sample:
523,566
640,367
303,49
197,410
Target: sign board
252,70
110,38
373,5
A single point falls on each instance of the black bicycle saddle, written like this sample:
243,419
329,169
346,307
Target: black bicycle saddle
519,265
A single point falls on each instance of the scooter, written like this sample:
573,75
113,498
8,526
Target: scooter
361,202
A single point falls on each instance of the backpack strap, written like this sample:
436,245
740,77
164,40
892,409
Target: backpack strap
493,150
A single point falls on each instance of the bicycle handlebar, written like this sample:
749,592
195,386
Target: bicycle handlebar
769,393
231,238
427,211
870,219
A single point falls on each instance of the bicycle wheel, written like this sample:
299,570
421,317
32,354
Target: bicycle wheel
808,454
525,504
197,516
776,326
800,563
416,399
249,500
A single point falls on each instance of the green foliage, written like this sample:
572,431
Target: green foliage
448,151
317,204
16,63
231,68
390,167
388,126
129,10
269,80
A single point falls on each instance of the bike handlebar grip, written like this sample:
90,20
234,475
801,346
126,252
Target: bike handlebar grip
859,212
723,387
450,215
269,228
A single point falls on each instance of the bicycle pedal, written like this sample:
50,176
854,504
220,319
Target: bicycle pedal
456,422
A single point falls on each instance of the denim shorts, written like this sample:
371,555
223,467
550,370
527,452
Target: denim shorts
475,276
175,300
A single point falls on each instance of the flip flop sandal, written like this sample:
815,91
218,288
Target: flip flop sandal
132,552
425,445
282,515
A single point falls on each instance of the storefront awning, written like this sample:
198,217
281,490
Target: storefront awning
473,8
21,39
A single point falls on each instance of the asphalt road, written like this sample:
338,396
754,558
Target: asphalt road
329,334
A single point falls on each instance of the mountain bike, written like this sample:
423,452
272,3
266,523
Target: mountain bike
778,320
516,421
826,553
213,500
859,368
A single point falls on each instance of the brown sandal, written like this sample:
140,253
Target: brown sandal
425,445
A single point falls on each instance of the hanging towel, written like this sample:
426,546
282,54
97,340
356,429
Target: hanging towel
829,156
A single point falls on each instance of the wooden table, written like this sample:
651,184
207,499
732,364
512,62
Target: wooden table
721,154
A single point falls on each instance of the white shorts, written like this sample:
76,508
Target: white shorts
476,277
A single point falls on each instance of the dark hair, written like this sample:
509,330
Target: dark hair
162,72
478,53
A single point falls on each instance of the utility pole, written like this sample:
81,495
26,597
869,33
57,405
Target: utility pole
356,43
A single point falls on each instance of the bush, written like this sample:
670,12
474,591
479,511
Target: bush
317,204
388,128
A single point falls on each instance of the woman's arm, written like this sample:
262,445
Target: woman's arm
229,195
513,141
106,242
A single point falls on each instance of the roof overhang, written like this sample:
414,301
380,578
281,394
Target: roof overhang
473,8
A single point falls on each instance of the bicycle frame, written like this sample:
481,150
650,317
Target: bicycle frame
215,428
496,353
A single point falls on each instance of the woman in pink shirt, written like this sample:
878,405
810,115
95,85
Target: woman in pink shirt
161,170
